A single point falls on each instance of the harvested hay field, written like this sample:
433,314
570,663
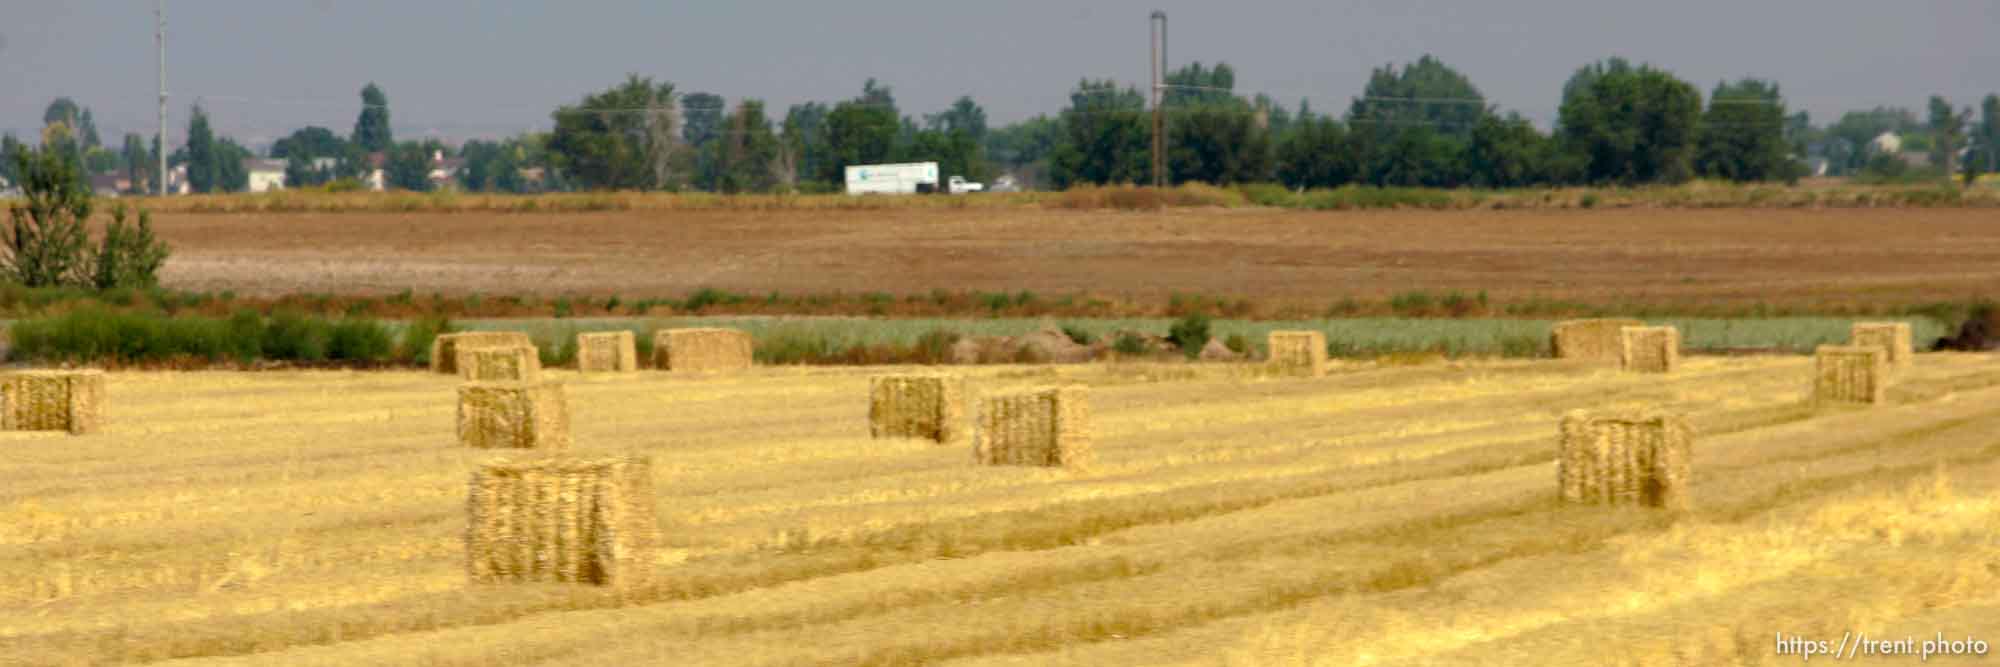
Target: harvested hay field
1675,256
1400,515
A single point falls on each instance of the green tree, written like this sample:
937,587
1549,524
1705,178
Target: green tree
1217,144
747,153
802,145
1316,155
203,165
408,167
1633,126
859,131
1581,80
128,255
230,174
1986,138
1426,93
1852,135
1947,128
62,110
87,131
625,138
1024,148
702,124
956,139
371,127
1107,136
1742,135
10,151
44,245
139,164
1507,152
312,141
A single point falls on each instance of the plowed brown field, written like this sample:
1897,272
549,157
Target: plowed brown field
1657,256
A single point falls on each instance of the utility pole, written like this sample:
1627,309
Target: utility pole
160,36
1159,25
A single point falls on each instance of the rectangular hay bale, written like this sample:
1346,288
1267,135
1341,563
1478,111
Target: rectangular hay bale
1650,349
607,352
701,349
1894,337
513,415
1043,427
1297,352
562,520
52,400
444,348
499,363
1599,340
1624,459
930,406
1850,374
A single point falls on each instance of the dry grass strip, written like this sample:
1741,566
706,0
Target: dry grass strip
607,352
1297,352
1600,340
930,406
1049,426
562,520
1893,337
513,415
1650,349
1624,459
52,400
444,349
1850,374
701,349
498,363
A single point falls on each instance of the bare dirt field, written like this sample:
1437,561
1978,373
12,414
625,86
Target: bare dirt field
1628,256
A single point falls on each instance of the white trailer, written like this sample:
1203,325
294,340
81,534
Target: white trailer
891,179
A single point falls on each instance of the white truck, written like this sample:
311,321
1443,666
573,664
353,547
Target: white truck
892,179
961,186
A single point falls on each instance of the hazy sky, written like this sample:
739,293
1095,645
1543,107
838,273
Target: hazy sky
459,68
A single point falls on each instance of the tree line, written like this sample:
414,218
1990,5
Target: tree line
1421,124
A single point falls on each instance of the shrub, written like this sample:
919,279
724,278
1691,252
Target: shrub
128,256
1237,343
418,336
563,307
1129,344
934,346
1269,194
1078,334
1190,333
293,336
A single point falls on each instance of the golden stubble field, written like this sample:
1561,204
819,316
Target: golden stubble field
1380,515
1676,256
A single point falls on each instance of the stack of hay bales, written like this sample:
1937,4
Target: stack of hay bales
701,350
1598,340
562,520
607,352
487,363
1297,352
1850,374
444,349
51,400
1049,426
513,415
1624,459
1893,337
1650,349
929,406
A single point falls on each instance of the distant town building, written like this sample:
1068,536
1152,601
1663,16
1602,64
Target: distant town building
265,175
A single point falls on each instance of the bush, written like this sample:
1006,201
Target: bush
93,334
1190,333
934,346
1078,334
1269,194
1129,344
418,336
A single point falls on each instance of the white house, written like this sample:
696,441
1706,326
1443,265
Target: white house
265,175
1886,143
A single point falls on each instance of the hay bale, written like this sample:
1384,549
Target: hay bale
1624,459
1298,352
1850,374
444,349
1893,337
51,400
607,352
1650,349
930,406
495,363
513,415
1043,427
1599,340
701,349
562,520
